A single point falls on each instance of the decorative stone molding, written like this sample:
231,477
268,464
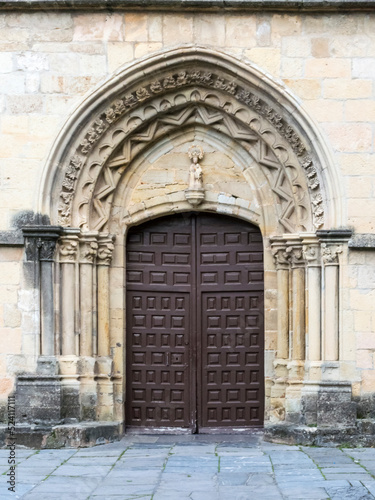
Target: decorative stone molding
105,249
282,6
249,112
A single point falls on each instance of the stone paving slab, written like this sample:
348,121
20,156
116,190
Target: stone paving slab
192,467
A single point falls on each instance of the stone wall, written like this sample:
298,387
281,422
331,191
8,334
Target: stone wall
49,61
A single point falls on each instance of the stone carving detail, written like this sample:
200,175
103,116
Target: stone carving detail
67,193
68,249
169,82
311,254
330,254
195,193
88,251
296,255
105,250
46,249
281,257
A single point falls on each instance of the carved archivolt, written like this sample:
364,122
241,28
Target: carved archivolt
175,97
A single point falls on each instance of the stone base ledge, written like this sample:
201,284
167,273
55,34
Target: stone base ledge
78,435
362,434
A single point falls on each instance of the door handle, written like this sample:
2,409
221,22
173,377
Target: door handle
167,361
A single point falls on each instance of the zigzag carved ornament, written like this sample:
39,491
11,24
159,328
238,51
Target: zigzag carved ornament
233,101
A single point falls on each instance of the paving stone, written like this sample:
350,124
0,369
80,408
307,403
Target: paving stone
232,478
350,493
111,489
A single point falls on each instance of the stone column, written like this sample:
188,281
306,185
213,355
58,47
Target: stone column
104,363
278,388
298,300
296,366
68,252
88,251
86,364
104,258
281,259
68,362
311,251
331,301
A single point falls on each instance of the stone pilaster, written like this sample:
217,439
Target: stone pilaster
40,243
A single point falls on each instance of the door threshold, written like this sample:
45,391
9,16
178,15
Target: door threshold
158,430
230,430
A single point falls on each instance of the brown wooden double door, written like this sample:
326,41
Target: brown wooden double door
195,324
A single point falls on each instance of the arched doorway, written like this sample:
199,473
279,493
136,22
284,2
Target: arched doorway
195,325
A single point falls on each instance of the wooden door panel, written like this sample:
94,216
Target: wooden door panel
231,365
158,357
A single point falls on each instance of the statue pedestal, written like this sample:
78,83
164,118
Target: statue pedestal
194,196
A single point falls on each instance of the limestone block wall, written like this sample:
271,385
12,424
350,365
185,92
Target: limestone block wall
49,61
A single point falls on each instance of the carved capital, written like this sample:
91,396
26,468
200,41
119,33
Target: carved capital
88,247
46,249
280,257
311,253
68,248
330,254
40,242
105,249
296,256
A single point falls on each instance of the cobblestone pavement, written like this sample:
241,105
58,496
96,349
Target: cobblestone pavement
194,467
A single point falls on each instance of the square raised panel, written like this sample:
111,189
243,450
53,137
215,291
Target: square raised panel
232,322
209,239
251,395
134,276
157,395
213,321
233,358
181,239
158,278
232,238
137,340
232,277
158,238
157,358
213,359
181,278
139,394
158,321
177,396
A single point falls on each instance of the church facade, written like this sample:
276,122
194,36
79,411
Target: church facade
188,220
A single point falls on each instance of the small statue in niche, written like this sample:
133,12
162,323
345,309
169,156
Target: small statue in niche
195,193
196,172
